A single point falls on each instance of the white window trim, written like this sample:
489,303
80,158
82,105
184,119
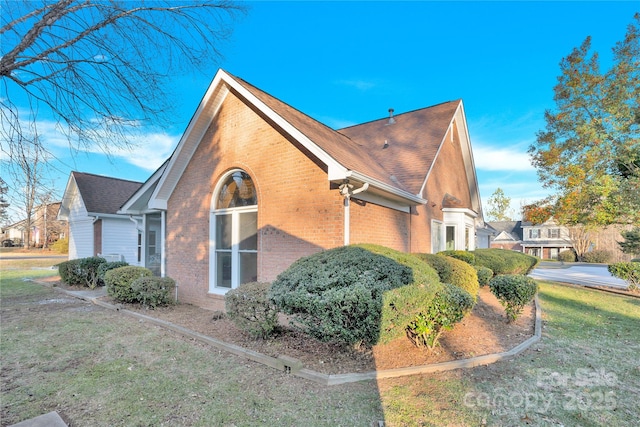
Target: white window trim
442,235
235,233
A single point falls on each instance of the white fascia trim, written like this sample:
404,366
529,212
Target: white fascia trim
410,199
97,216
124,209
467,212
335,168
435,158
467,154
189,141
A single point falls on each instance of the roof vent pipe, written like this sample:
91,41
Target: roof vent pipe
391,119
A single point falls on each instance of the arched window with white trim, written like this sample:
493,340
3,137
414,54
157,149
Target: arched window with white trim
233,233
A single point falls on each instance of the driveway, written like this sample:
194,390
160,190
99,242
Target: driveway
593,275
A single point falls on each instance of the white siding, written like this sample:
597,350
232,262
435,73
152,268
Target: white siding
119,236
80,227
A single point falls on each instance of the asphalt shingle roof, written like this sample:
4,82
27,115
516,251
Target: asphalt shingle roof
103,194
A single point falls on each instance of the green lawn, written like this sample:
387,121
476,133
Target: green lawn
100,368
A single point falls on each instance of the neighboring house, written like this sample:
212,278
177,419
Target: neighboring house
90,205
546,240
507,235
44,222
255,184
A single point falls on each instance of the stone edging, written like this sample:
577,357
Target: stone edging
295,367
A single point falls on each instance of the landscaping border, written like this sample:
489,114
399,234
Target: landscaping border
295,367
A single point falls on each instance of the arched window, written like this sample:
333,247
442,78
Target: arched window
233,233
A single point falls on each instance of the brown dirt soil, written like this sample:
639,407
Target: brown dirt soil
483,331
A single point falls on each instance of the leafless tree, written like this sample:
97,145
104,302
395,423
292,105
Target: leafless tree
98,70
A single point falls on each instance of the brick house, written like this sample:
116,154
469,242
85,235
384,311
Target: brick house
255,184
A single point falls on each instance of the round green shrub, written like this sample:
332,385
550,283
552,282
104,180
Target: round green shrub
336,295
514,292
484,275
466,256
567,256
448,307
250,308
118,282
464,276
598,256
106,266
503,261
152,291
70,272
89,268
627,271
440,264
61,246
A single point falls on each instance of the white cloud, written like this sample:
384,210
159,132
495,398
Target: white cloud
513,158
359,84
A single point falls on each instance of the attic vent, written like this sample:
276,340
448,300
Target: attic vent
391,119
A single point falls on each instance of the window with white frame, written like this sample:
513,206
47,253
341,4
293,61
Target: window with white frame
553,233
234,232
534,233
450,237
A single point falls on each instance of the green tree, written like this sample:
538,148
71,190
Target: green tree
589,152
101,71
631,244
499,205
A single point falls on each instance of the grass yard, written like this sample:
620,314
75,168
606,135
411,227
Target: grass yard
97,368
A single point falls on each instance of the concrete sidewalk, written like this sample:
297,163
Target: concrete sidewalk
52,419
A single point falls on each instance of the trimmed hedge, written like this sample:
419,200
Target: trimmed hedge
484,275
152,291
360,294
466,256
104,267
597,256
503,261
249,307
514,292
627,271
70,272
567,255
119,280
89,268
440,264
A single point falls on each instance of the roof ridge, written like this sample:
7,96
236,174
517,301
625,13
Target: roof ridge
107,177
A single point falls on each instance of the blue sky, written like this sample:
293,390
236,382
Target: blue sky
344,63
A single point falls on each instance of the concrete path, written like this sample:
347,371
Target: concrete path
592,275
52,419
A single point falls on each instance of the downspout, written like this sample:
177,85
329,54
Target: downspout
347,192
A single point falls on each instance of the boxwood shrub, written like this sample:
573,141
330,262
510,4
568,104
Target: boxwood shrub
627,271
70,272
598,256
119,280
440,264
514,292
336,295
106,266
89,268
568,255
466,256
503,261
250,308
153,291
484,275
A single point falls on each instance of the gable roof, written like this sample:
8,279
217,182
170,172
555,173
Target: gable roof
507,230
355,153
101,194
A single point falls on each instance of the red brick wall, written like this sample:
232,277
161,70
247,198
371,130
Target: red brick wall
448,175
376,224
297,213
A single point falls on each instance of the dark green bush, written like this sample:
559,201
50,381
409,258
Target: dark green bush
249,307
440,264
502,261
70,272
567,255
89,268
514,292
484,275
598,256
106,266
448,307
336,295
152,291
119,280
627,271
465,256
